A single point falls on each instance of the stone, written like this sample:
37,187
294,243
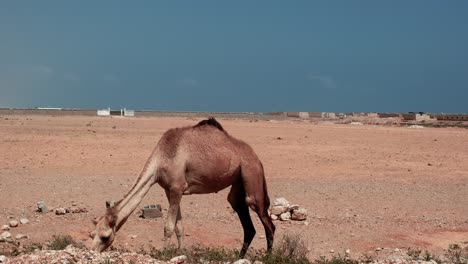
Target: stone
332,251
281,202
274,217
2,239
60,211
279,209
293,207
152,211
347,252
5,227
242,261
179,259
5,234
3,259
258,262
285,216
21,236
41,207
13,223
299,214
24,221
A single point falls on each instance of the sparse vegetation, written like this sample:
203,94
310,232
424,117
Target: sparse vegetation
60,242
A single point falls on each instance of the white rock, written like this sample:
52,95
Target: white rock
3,259
21,236
258,262
242,261
13,223
179,259
285,216
299,215
279,209
133,236
5,234
332,251
24,221
281,202
347,252
60,211
2,239
274,217
5,227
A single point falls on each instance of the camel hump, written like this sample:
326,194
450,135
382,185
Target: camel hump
210,122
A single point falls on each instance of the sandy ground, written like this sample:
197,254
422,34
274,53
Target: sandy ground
363,186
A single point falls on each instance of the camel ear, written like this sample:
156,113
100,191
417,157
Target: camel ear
110,204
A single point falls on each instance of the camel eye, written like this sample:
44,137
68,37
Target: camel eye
105,239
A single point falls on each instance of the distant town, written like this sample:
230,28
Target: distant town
123,112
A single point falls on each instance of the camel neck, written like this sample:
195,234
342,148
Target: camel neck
132,199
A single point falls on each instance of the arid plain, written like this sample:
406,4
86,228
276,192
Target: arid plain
364,186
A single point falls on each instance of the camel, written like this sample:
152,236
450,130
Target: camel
197,159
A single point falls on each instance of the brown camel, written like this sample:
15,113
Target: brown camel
195,160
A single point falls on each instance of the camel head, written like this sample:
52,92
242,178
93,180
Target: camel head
104,232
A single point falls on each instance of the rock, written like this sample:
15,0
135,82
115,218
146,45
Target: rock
258,262
179,259
299,214
279,209
3,259
306,223
242,261
41,207
332,251
293,207
78,210
5,227
281,202
60,211
347,252
152,211
274,217
5,234
24,221
2,239
13,223
378,249
285,216
21,236
133,236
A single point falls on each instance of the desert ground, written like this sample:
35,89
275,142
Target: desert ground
364,186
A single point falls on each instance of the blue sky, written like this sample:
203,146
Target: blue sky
337,56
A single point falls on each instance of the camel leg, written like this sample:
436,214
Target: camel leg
174,217
262,212
256,197
236,198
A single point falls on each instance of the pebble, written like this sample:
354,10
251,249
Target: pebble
3,259
21,236
378,249
60,211
274,217
299,214
5,234
242,261
13,223
347,252
5,227
133,236
24,221
41,207
179,259
285,216
332,251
